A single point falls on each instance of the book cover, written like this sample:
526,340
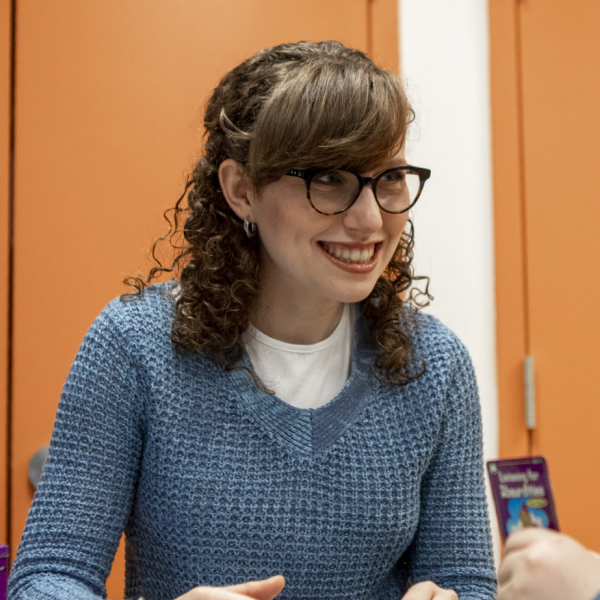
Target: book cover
522,494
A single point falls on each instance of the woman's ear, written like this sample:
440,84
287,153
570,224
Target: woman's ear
237,188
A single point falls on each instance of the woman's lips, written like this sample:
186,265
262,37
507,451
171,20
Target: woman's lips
359,267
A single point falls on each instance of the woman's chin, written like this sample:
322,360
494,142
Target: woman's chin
352,294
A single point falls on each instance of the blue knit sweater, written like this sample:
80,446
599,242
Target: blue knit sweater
215,482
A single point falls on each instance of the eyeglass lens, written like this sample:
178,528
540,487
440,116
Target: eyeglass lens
333,191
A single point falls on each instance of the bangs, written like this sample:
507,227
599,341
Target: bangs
332,114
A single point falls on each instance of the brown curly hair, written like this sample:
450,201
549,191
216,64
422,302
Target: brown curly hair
292,106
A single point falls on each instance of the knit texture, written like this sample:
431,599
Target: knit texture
215,482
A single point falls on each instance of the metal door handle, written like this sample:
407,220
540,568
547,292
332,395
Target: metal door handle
36,466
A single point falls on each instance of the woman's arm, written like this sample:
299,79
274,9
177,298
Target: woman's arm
452,546
84,498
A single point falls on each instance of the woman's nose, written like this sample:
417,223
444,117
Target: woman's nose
365,213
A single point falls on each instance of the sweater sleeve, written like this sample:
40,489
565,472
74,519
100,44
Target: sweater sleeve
452,546
83,502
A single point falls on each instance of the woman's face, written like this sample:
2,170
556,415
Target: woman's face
335,257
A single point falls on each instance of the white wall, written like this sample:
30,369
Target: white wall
444,52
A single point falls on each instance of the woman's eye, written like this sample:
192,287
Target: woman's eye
328,178
393,177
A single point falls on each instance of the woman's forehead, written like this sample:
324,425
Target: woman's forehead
394,159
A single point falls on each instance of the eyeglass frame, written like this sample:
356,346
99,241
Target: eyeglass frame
309,174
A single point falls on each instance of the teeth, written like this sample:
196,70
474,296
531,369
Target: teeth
351,256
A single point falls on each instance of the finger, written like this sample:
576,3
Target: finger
429,594
527,537
418,593
264,589
205,592
505,592
444,594
520,539
427,590
511,562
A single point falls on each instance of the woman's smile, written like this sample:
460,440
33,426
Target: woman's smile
353,258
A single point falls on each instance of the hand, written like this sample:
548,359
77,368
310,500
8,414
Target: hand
427,590
265,589
541,564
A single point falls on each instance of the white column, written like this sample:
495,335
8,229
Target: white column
444,52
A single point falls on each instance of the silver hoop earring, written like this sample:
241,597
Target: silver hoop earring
250,228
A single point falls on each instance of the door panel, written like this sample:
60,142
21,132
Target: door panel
5,87
110,98
510,273
561,86
382,33
546,132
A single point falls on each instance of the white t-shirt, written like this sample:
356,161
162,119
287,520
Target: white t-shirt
304,375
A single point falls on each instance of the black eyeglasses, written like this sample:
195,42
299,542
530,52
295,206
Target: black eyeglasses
331,191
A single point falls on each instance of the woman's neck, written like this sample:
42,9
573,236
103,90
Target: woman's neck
290,318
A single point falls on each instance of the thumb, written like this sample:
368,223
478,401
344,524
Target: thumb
264,589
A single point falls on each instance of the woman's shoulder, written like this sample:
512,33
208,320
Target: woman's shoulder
445,358
434,341
156,301
148,314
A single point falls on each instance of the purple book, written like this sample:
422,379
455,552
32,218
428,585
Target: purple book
522,494
3,571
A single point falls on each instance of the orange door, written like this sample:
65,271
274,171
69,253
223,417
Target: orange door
547,157
109,103
561,87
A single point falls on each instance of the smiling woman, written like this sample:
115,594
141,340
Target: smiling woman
302,106
280,407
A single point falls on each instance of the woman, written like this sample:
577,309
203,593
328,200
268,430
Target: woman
280,408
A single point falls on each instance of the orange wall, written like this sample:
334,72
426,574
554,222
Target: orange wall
5,48
384,45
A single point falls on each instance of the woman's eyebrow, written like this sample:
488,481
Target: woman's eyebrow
395,162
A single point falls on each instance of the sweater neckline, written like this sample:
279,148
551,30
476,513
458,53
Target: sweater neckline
307,432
